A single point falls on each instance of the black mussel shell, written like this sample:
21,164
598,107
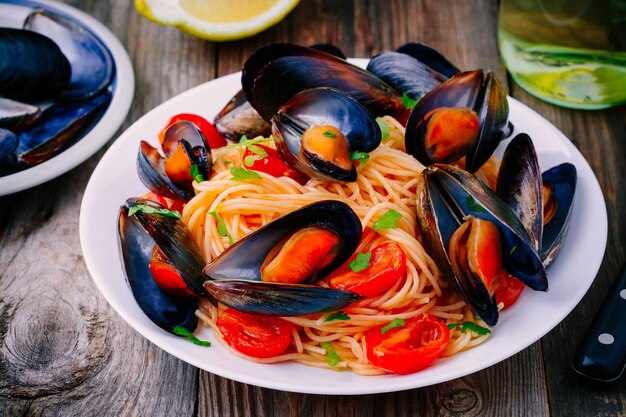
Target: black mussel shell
277,72
278,299
243,259
430,57
165,310
196,146
239,118
91,62
329,48
562,179
57,128
8,143
15,115
151,171
171,236
519,185
323,106
32,67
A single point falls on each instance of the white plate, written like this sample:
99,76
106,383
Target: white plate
12,14
534,315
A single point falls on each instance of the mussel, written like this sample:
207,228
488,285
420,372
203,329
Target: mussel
464,116
184,146
317,131
277,72
451,208
8,143
15,115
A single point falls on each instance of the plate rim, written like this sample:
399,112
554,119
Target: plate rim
391,383
103,130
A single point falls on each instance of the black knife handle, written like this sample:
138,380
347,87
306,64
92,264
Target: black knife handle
602,353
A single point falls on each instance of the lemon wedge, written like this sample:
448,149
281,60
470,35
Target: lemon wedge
217,20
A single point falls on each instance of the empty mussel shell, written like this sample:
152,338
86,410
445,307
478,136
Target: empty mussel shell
239,118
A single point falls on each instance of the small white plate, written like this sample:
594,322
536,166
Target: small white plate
535,314
12,14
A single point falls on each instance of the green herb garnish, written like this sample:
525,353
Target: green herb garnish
337,315
332,358
409,102
195,173
394,323
389,220
227,162
152,210
181,331
361,262
362,157
471,326
513,249
242,174
329,134
221,227
385,129
473,205
247,142
259,153
243,138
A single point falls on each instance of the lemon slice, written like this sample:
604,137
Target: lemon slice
217,20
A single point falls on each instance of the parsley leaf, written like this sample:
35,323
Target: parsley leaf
181,331
409,102
362,157
473,205
195,173
332,358
221,227
361,262
389,220
329,134
513,249
241,174
259,153
152,210
394,323
246,142
337,315
227,162
243,138
471,326
384,128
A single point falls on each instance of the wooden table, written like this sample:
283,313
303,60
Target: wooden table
64,351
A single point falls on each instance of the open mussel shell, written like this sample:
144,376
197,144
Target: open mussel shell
318,107
277,72
239,118
92,66
165,310
15,115
57,127
8,143
474,90
430,57
278,300
32,67
196,146
151,171
519,185
562,180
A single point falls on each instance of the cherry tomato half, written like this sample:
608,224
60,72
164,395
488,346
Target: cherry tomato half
408,348
274,165
176,205
387,264
508,289
166,276
209,131
255,335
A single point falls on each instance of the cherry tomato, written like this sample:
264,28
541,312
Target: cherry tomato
508,289
387,264
166,276
175,205
255,335
209,131
274,165
408,348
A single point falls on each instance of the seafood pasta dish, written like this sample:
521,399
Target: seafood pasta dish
344,218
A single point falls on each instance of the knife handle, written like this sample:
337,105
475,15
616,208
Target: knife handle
602,354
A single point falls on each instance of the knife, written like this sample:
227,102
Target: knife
601,356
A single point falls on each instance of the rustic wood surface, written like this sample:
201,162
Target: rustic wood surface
65,352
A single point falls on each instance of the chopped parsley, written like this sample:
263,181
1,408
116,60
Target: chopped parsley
329,134
361,262
221,227
408,102
473,205
389,220
384,128
394,323
471,326
152,210
243,138
242,174
246,142
362,157
181,331
513,249
258,154
195,173
337,315
227,162
332,358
